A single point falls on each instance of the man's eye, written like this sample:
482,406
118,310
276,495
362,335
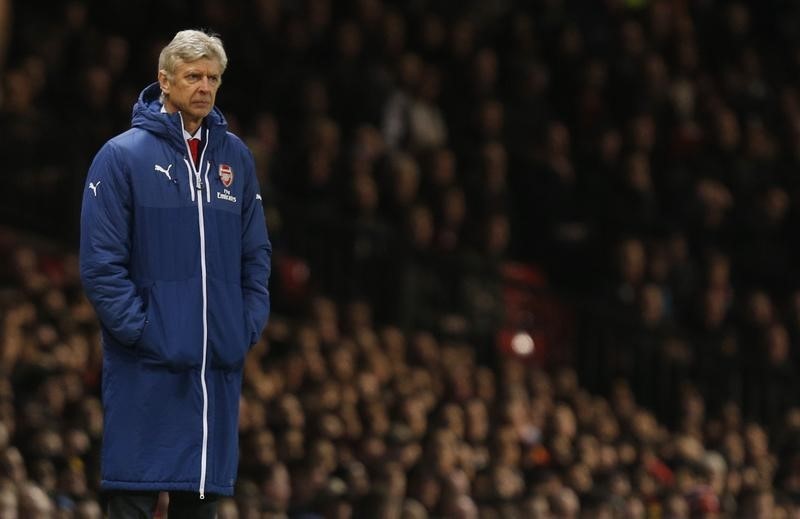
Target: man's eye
213,79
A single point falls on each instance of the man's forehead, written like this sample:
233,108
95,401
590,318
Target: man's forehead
203,65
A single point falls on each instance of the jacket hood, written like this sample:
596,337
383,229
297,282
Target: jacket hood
147,115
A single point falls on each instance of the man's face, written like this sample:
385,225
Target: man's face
192,89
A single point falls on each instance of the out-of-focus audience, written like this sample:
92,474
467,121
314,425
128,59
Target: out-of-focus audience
345,417
617,180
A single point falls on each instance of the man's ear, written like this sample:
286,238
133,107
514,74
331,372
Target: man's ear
163,81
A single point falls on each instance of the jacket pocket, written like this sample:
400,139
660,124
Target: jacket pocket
228,333
173,330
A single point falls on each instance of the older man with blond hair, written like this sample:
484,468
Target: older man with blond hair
175,259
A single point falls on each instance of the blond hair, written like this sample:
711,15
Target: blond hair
191,45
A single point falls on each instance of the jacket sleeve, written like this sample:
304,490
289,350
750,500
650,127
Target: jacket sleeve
105,246
256,255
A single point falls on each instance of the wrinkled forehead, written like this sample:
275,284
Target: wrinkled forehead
204,65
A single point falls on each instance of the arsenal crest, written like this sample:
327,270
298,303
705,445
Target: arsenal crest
226,175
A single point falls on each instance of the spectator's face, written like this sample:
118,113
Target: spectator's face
395,346
353,427
733,449
73,481
477,421
93,415
643,133
192,89
626,453
8,503
620,485
368,386
293,445
421,226
588,451
226,509
291,411
4,436
19,91
251,414
632,261
331,426
536,507
491,118
377,418
638,174
579,478
395,480
455,207
778,344
342,364
444,451
566,503
264,447
277,489
357,479
715,307
498,235
485,67
645,484
428,490
373,449
562,451
323,454
464,507
329,396
756,442
34,503
507,448
558,139
762,506
365,192
728,132
610,146
12,465
677,507
409,454
453,418
44,474
349,40
406,181
564,421
484,380
634,507
607,428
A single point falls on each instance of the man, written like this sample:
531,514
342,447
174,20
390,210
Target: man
175,258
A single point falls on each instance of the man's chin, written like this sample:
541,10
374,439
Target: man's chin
200,112
194,115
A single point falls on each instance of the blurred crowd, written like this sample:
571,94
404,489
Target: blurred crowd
342,417
640,156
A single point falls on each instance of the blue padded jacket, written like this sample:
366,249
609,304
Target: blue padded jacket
175,258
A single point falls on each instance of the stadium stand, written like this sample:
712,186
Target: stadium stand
532,258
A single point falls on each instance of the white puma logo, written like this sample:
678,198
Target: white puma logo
93,187
164,171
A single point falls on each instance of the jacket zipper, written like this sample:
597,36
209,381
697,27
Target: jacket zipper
201,222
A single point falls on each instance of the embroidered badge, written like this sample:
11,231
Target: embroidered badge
226,175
